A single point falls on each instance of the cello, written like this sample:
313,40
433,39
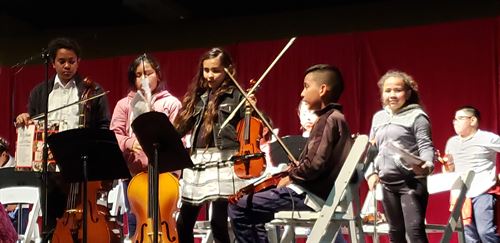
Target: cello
168,195
153,196
69,228
250,161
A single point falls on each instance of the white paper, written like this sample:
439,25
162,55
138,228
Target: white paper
24,146
146,89
442,182
139,105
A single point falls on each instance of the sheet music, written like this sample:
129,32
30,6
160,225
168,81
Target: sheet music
441,182
139,105
407,159
24,146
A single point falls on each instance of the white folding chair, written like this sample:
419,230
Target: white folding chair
25,195
339,206
116,197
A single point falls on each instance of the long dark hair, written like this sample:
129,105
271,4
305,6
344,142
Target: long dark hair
184,122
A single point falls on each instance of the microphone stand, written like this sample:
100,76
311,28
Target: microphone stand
45,184
18,67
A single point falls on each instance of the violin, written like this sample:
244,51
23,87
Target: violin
268,183
250,161
85,107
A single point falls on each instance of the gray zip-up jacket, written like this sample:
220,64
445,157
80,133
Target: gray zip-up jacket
410,128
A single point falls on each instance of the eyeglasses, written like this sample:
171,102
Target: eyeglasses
461,118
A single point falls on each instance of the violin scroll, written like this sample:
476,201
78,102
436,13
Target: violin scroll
85,107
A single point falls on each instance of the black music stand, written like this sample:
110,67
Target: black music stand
161,142
11,177
295,143
88,154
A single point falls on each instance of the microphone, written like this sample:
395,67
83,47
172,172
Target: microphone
45,53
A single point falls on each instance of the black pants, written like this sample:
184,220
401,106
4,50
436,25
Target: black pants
57,198
405,206
218,223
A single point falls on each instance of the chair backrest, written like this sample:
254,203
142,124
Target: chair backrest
352,161
116,197
24,195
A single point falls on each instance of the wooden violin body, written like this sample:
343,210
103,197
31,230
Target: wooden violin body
100,229
168,193
257,187
250,162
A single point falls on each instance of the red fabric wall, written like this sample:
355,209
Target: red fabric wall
455,64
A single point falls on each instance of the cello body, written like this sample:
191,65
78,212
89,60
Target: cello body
99,228
168,193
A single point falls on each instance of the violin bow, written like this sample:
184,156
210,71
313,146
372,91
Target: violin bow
41,115
252,90
289,154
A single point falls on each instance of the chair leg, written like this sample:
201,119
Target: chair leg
208,238
288,234
272,233
332,231
461,231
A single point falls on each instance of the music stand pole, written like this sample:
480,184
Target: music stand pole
155,186
45,183
85,180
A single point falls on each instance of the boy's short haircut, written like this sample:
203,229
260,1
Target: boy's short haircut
333,79
63,42
471,110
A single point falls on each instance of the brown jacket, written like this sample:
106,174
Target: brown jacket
325,152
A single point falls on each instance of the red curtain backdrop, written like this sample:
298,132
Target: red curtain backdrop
455,63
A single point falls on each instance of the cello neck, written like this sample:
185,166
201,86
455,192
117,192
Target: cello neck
153,198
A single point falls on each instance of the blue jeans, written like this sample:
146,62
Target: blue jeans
250,213
14,215
132,221
483,227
